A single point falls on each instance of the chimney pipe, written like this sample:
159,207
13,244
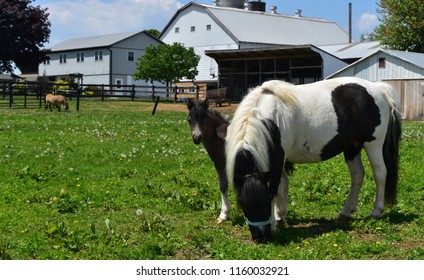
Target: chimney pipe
298,13
350,23
273,9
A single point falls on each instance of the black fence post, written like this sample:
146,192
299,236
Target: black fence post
78,97
197,92
9,91
175,94
39,93
156,105
133,92
153,92
103,92
25,95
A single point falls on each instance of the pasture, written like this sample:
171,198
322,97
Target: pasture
114,182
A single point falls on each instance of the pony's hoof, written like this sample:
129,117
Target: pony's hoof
376,214
280,222
220,220
343,218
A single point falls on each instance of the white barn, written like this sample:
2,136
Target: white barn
106,59
228,27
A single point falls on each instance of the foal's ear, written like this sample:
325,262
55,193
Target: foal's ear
221,131
190,104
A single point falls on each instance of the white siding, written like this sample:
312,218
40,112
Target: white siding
201,39
88,67
98,72
330,63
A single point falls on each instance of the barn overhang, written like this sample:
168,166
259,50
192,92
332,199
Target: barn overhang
242,69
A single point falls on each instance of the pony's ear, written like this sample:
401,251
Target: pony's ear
206,103
190,104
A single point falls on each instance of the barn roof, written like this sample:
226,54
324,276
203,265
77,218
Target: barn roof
352,51
413,58
93,41
272,28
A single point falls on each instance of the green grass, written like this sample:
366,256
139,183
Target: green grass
114,182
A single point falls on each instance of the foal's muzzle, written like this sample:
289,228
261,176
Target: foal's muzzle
197,139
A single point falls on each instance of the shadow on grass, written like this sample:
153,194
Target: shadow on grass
297,229
396,217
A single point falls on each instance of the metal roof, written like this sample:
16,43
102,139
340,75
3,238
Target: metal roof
270,28
414,58
93,42
352,51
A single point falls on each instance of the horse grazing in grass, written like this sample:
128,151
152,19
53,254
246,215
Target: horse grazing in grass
210,128
278,124
56,100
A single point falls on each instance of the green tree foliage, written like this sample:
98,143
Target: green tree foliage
167,64
24,30
153,32
402,25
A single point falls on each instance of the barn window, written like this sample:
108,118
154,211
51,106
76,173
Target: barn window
130,56
80,57
382,62
98,55
177,30
62,58
208,27
192,28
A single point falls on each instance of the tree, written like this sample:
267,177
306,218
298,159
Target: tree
154,32
402,24
24,30
167,64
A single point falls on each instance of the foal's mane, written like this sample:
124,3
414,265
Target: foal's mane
219,116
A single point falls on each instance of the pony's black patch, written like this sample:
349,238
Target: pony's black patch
357,118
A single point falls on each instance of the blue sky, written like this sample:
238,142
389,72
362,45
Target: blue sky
81,18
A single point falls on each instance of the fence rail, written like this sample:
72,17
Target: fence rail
31,94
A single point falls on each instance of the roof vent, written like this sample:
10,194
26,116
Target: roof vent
273,9
298,13
258,6
229,3
247,6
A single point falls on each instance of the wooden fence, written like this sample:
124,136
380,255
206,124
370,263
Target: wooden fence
31,94
411,97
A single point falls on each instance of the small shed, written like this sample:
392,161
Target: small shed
403,70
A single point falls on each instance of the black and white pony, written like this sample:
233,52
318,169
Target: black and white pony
278,124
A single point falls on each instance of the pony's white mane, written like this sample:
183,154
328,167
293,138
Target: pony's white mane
247,131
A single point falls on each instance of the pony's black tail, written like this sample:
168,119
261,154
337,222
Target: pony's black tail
391,156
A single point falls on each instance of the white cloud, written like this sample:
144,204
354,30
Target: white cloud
79,18
367,22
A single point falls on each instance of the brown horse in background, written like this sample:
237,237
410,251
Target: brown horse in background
56,100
